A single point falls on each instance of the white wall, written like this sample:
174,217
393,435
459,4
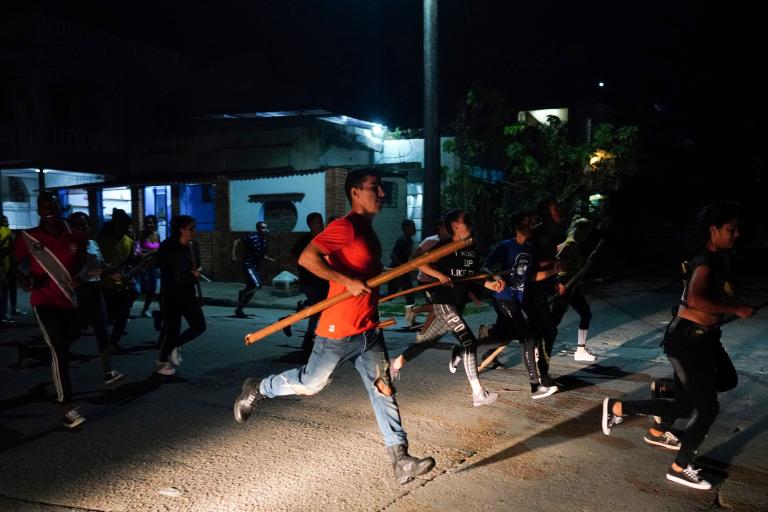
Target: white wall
400,151
243,214
297,148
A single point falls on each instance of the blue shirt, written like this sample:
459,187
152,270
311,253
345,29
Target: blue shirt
510,255
255,248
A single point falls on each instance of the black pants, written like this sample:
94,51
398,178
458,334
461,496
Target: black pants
4,293
175,306
702,369
61,328
315,292
12,288
510,325
93,311
118,309
253,283
576,299
402,283
541,320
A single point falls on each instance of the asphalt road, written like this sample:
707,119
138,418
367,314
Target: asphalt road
325,453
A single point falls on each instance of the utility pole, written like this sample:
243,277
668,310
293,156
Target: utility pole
431,198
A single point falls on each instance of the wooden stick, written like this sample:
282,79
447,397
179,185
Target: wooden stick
438,283
374,282
389,322
582,271
488,360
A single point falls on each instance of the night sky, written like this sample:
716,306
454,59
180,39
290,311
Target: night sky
364,57
687,74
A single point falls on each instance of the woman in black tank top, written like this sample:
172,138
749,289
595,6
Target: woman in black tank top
701,366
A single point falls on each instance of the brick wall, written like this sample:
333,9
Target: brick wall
280,245
335,200
137,207
216,247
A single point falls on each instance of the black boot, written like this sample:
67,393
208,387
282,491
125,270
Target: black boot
407,467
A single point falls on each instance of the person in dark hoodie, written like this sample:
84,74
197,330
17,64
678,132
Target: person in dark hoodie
178,258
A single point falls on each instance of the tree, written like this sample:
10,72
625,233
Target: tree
506,167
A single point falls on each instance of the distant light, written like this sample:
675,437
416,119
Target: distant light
601,84
377,130
601,157
594,198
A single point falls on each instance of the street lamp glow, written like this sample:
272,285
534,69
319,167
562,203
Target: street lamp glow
377,130
601,84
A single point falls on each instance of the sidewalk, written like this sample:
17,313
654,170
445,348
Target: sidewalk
225,294
147,434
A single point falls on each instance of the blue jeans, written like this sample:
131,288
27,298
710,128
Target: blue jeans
368,353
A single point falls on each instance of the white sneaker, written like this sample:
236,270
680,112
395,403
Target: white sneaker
410,315
583,354
543,391
176,358
164,368
112,376
485,397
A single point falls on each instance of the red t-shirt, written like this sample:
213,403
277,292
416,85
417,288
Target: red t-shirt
69,248
352,248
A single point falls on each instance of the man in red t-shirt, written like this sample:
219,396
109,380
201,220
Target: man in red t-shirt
56,253
347,253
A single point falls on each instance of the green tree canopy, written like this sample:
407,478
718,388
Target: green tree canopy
510,166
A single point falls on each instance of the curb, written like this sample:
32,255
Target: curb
211,301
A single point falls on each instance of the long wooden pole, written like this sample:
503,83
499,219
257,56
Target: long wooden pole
389,322
573,281
385,277
438,283
488,360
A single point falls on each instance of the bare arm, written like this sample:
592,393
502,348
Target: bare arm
313,259
698,299
546,273
433,272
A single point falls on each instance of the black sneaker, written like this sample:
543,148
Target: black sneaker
246,401
112,376
663,388
666,440
72,418
688,477
610,420
239,313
